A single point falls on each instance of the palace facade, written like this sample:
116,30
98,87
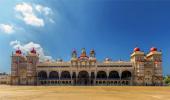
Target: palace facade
142,69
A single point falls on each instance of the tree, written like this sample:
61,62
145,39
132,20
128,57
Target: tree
167,80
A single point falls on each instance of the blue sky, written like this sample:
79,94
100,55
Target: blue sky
111,27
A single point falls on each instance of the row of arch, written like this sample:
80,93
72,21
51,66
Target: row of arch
84,74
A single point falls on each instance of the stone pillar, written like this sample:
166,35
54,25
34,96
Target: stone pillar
89,78
71,78
107,72
76,77
48,72
120,74
59,75
95,75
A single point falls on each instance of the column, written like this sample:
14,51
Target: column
59,74
107,72
71,78
120,74
95,77
89,78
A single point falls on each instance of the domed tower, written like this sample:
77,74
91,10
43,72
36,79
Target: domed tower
138,58
137,55
83,52
32,60
83,55
74,57
92,57
74,54
16,60
107,60
92,53
155,66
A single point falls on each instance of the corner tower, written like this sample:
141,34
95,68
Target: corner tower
32,60
18,68
154,67
138,58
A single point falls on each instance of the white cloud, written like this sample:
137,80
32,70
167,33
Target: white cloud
8,29
27,14
14,42
51,20
28,46
42,9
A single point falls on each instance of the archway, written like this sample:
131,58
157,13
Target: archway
53,75
126,75
65,75
101,75
83,78
114,75
42,75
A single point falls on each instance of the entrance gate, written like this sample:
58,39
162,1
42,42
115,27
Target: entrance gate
83,78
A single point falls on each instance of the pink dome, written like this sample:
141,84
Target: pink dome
33,51
153,49
136,49
18,51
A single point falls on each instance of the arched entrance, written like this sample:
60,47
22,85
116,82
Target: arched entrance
101,75
83,78
126,75
114,75
53,75
65,75
101,78
42,75
113,78
65,78
126,78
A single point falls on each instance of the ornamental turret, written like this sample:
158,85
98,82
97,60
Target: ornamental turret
153,49
92,53
74,54
83,52
137,55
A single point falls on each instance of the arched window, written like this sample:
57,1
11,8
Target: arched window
83,74
65,75
53,75
126,75
114,75
42,75
101,75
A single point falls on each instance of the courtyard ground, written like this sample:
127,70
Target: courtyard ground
83,93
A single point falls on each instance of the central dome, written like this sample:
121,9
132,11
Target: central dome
83,53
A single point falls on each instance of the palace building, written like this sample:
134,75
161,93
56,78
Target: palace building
142,69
